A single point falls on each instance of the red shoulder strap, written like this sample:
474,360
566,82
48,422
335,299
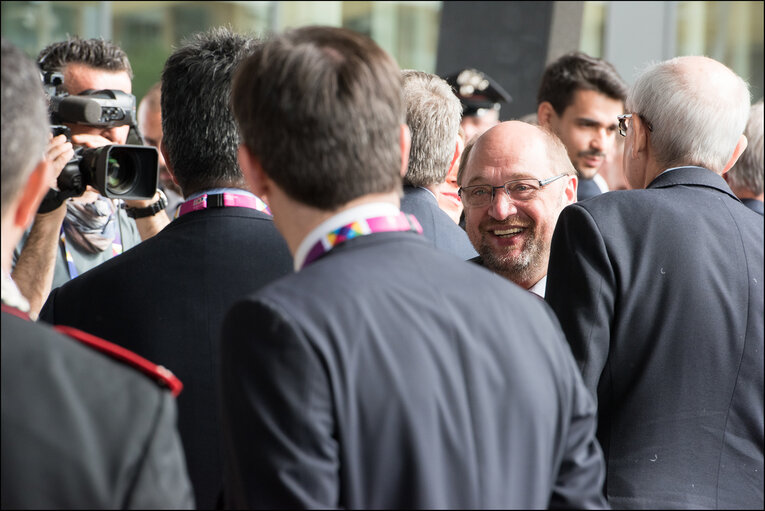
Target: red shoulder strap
15,312
156,372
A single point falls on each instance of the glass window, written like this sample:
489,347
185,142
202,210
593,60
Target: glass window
731,32
147,31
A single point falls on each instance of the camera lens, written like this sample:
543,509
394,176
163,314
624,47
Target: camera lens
121,173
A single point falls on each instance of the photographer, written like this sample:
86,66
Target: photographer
87,230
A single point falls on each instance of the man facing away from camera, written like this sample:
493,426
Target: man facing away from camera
165,299
659,291
82,428
379,375
433,117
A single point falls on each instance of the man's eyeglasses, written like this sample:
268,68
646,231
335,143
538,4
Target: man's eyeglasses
623,123
519,190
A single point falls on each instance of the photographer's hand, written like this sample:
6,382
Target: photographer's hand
33,273
147,226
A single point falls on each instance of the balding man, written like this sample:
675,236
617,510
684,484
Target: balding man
514,183
659,291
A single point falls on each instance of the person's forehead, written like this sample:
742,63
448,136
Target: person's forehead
505,160
80,77
594,105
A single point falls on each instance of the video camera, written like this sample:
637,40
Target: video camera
116,171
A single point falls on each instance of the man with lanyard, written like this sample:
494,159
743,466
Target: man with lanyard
84,231
82,428
165,299
380,375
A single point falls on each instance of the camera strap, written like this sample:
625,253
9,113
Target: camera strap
222,200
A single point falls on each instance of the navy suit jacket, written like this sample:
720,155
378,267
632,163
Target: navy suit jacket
165,300
436,224
660,294
754,205
389,374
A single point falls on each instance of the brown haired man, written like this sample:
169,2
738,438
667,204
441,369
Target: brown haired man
377,376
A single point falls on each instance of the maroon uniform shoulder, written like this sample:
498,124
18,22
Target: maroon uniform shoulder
158,373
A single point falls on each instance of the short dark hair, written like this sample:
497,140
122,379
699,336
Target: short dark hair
198,128
578,71
24,119
321,108
96,53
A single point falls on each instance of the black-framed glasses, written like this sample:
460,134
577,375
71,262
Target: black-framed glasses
623,123
518,189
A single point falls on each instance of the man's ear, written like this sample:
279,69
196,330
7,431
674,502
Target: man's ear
253,172
32,194
640,142
167,162
546,114
740,147
459,146
570,191
405,140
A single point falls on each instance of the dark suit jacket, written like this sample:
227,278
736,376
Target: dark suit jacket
436,224
389,374
754,205
165,300
81,430
660,294
587,188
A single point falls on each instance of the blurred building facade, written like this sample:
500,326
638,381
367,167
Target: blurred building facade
511,41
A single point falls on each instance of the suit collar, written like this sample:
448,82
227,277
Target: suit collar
420,193
691,176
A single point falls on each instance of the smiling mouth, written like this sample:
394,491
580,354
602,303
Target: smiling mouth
506,233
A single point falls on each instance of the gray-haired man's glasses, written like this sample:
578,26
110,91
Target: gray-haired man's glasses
623,123
518,189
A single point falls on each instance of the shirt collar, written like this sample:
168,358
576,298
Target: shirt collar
11,295
345,217
539,288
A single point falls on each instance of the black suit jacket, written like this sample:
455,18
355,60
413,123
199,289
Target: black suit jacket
165,300
81,430
436,224
660,293
389,374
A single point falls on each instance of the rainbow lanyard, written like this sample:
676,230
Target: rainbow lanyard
390,223
222,200
116,250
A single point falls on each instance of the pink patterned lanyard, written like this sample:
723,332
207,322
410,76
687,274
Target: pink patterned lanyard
400,222
222,200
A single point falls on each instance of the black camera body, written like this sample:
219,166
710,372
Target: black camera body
116,171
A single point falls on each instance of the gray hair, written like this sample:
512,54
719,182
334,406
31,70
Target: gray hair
694,122
433,114
24,120
748,172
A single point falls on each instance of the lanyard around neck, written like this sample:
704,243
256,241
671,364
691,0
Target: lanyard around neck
361,227
222,200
